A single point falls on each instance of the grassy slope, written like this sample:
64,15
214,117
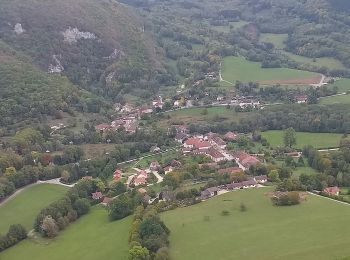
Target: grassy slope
90,238
344,99
318,140
276,39
238,68
24,208
316,229
343,85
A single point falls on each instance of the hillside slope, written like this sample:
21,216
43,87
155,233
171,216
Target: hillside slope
100,45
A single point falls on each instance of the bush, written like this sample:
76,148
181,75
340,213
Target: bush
286,199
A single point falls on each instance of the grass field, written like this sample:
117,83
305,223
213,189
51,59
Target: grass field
317,140
238,68
343,85
343,99
196,115
315,229
305,170
91,237
27,204
96,150
276,39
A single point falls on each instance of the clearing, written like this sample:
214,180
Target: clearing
92,237
315,229
317,140
23,208
238,68
341,99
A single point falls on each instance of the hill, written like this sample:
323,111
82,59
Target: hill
98,45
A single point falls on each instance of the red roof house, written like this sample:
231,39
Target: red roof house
97,195
247,160
231,136
197,143
332,191
117,175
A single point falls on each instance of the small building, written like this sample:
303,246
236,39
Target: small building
154,166
140,180
117,175
249,184
215,155
231,136
208,193
247,160
180,137
332,191
234,186
301,99
196,143
260,179
97,195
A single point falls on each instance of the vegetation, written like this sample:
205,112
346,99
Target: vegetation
192,236
24,207
90,227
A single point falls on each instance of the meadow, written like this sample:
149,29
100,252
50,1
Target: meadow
92,237
315,229
343,99
343,85
202,114
23,208
317,140
238,68
276,39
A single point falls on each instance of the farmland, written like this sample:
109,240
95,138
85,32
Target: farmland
240,69
26,205
91,237
262,232
317,140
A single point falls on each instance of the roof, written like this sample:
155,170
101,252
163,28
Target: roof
332,190
96,195
218,140
231,136
180,136
197,143
234,185
249,183
247,160
213,189
215,154
260,178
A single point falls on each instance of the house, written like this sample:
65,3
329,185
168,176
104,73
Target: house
154,166
231,136
244,103
301,99
261,179
127,108
117,175
215,155
158,103
234,186
105,201
177,103
230,170
140,180
247,160
103,128
216,140
196,143
332,191
97,195
168,169
146,199
208,193
180,137
249,184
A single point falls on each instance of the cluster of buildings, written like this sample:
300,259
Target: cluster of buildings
250,183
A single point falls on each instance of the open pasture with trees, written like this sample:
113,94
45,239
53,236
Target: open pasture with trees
91,237
239,69
220,229
317,140
23,208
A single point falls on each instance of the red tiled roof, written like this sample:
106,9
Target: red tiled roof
331,190
197,143
215,154
231,136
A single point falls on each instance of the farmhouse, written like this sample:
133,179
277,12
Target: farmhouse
97,195
301,99
141,178
196,143
217,141
247,160
249,184
234,186
231,136
261,179
332,191
208,193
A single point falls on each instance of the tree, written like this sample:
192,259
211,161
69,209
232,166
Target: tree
273,176
65,176
289,137
17,232
49,226
139,253
82,206
120,208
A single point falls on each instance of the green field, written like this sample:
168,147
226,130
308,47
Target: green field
317,140
91,237
238,68
343,99
342,84
303,170
276,39
27,204
196,115
316,229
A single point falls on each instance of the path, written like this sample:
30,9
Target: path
221,78
338,201
335,95
160,178
18,191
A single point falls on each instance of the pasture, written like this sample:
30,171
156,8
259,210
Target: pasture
276,39
317,140
202,114
342,84
342,99
315,229
23,208
92,237
239,69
